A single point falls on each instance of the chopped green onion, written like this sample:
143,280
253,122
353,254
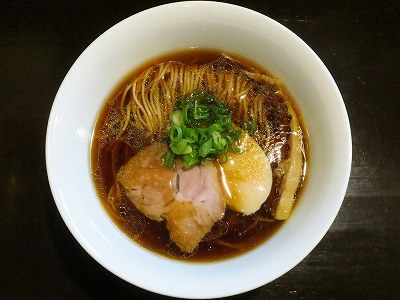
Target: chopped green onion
220,111
219,142
200,111
190,159
169,159
185,115
190,135
175,133
203,136
201,129
205,148
180,147
214,127
177,117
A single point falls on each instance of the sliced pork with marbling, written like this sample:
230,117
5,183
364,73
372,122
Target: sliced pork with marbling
147,184
198,204
190,201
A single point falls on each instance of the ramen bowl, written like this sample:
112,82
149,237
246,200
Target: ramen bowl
169,28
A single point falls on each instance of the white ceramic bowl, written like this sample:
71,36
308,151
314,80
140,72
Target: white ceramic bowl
177,26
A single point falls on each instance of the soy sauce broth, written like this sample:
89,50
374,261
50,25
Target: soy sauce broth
233,235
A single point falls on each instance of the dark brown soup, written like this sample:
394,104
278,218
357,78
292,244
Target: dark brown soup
235,233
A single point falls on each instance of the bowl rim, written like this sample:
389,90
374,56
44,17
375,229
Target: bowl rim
184,293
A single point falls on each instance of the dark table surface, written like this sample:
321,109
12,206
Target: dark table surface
359,41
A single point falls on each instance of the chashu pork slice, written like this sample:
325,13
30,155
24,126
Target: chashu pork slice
198,204
190,201
148,185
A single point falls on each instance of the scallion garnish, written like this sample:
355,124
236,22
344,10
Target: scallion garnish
201,129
